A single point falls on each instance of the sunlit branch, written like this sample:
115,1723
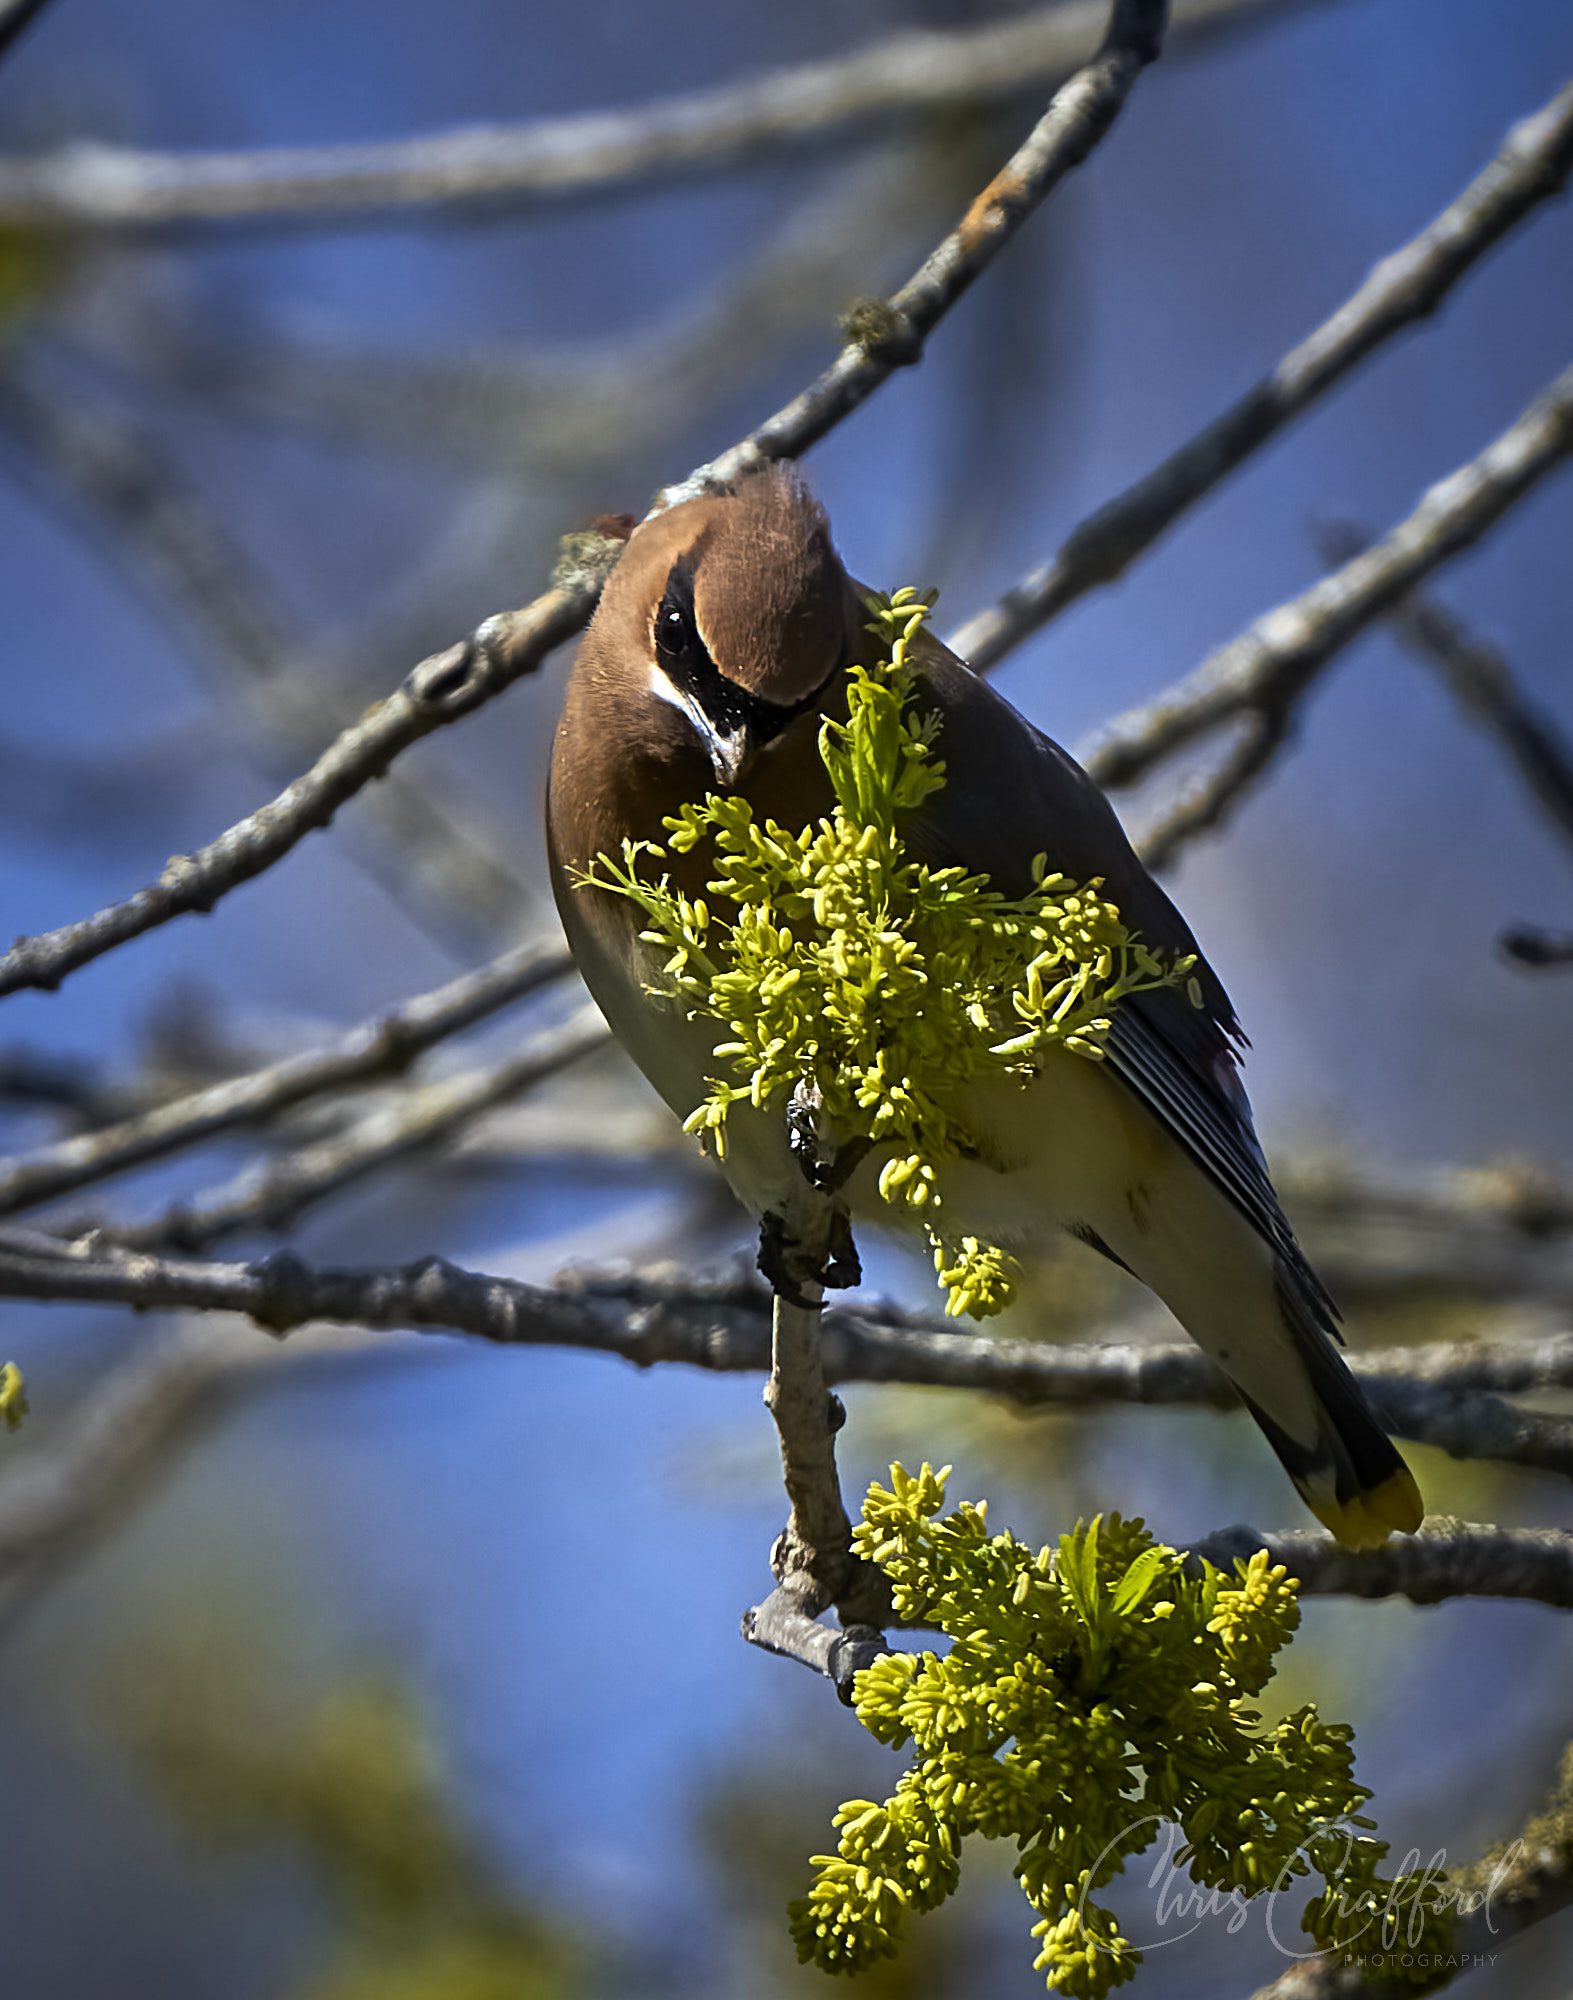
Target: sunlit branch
1406,286
1273,664
1449,1393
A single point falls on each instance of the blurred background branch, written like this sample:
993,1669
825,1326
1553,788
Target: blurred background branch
1514,1885
1273,664
102,188
1408,285
381,1048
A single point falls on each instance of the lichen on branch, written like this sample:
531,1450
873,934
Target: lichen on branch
833,959
1091,1695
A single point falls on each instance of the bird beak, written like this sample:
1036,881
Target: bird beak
730,750
730,755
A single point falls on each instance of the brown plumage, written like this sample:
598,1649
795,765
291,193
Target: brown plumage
721,640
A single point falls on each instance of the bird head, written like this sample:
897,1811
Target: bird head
732,614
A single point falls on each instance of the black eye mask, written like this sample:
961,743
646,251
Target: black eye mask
685,660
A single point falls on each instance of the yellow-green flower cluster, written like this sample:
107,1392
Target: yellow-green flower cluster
887,985
1091,1695
13,1397
34,262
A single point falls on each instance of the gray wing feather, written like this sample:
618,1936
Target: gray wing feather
1180,1060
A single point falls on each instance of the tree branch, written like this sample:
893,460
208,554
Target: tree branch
1447,1393
1406,286
1450,1559
456,682
1270,666
273,1196
1206,804
96,466
382,1047
441,690
1445,1559
893,336
782,1626
815,1568
109,188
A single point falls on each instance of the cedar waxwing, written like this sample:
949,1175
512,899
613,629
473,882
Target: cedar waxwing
721,640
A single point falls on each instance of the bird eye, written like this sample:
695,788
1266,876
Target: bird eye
676,633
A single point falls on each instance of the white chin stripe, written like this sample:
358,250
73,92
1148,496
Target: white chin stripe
661,686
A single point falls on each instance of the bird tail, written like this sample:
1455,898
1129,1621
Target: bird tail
1344,1465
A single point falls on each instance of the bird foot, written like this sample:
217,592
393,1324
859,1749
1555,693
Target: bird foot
789,1268
826,1169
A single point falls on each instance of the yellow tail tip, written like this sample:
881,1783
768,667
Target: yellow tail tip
1366,1521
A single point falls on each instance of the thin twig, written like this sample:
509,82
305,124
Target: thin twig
782,1626
382,1047
1406,286
1479,678
1206,805
1270,666
108,188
